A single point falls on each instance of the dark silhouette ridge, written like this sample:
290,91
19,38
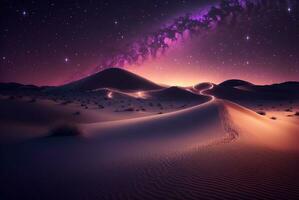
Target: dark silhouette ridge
234,83
114,78
242,90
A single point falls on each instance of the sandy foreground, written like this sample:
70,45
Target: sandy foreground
215,149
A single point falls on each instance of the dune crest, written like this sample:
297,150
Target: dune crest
118,136
113,78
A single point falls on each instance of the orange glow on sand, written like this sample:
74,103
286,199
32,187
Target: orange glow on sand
139,94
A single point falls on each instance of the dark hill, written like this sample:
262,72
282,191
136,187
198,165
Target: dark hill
234,83
114,78
232,90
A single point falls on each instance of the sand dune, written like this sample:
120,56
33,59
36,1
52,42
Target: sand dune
216,120
260,130
114,78
241,90
202,86
186,128
207,151
140,141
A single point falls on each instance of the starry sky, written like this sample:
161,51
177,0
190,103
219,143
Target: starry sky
177,42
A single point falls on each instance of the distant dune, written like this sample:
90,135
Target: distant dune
114,78
115,135
242,90
202,86
19,87
234,83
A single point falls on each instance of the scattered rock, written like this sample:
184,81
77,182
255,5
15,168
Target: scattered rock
64,130
66,102
261,112
32,101
76,113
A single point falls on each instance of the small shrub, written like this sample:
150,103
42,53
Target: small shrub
297,113
32,101
66,102
273,118
76,113
64,130
129,109
261,112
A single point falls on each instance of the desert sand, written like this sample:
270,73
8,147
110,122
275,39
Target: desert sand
140,140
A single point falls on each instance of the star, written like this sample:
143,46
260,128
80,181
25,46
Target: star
289,9
24,13
66,60
247,37
115,22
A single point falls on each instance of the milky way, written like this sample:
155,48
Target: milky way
179,42
261,16
186,26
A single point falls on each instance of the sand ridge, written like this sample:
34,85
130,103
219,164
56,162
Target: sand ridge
137,145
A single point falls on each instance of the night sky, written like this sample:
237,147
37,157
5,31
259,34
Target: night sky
177,42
